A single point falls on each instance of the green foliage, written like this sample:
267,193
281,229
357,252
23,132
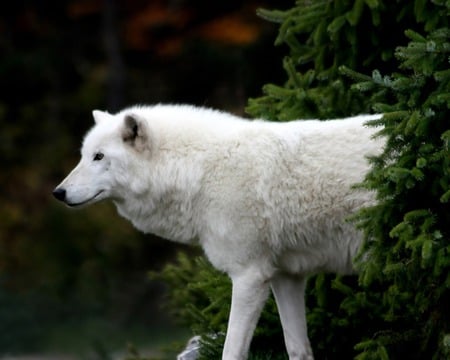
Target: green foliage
408,231
324,35
188,300
198,297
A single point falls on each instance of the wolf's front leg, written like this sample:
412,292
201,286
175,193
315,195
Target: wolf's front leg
250,292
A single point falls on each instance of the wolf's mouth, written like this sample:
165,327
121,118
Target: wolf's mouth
86,201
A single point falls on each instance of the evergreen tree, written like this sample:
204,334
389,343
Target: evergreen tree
324,35
398,307
408,232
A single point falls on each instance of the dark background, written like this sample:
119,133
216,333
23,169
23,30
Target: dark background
76,281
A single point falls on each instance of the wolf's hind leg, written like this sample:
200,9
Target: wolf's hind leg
289,292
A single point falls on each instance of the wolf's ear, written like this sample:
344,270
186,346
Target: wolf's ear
99,115
135,132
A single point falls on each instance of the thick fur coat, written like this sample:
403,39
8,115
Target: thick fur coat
267,202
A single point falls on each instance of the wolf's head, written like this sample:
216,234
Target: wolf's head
104,169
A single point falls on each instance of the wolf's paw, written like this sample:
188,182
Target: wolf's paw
301,354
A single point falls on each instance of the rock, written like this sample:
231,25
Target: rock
191,351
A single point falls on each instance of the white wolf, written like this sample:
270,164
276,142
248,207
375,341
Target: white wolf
267,202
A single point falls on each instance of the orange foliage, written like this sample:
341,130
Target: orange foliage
79,8
139,26
232,29
164,29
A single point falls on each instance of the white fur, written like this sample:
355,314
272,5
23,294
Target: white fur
267,202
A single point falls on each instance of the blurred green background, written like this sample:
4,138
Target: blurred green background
75,283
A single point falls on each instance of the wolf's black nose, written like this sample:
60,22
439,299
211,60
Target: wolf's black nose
60,194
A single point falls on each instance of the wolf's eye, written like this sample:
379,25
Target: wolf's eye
98,156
